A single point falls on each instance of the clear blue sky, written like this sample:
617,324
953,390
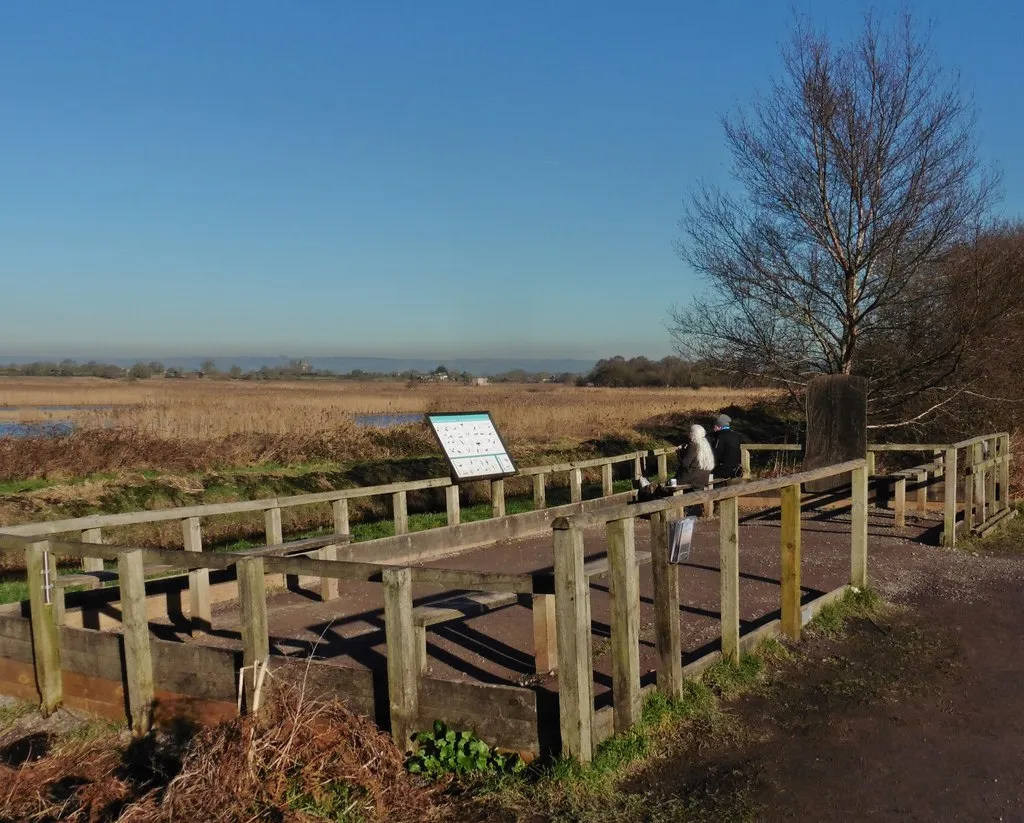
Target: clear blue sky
390,178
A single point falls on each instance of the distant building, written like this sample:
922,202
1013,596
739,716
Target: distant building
479,381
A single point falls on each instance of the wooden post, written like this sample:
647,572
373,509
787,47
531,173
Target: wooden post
539,492
198,579
575,485
451,502
545,639
937,457
272,523
991,479
662,468
575,677
791,561
745,461
400,507
978,473
40,568
949,504
1004,471
252,598
900,503
638,466
421,648
859,528
329,585
625,596
498,498
708,509
969,487
138,660
92,564
339,510
922,493
871,463
607,486
403,663
729,572
666,609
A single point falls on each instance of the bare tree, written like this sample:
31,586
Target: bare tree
859,172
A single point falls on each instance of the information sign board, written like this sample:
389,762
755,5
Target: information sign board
680,538
471,442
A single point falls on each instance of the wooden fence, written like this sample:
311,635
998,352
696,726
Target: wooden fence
560,598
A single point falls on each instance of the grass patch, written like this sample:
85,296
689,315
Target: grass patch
599,791
832,620
13,591
12,712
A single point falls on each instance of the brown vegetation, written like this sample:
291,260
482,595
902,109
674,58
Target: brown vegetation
301,760
193,425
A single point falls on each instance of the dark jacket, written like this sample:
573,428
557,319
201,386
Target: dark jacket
688,473
725,443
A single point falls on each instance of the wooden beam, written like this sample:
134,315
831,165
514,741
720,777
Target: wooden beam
402,659
575,485
729,573
539,492
400,509
198,579
991,480
949,499
451,503
329,585
339,513
791,562
755,487
1004,470
625,605
252,598
900,503
871,463
498,498
859,528
92,564
545,638
922,493
138,659
666,609
272,525
745,461
607,486
662,468
40,573
575,674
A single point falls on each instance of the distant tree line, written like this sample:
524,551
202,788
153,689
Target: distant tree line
293,370
674,372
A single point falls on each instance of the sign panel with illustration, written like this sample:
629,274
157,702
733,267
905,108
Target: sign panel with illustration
474,449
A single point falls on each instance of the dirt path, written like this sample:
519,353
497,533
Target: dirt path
916,716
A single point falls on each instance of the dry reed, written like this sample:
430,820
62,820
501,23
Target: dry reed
195,424
299,758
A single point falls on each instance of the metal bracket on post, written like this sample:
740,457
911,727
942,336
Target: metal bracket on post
47,582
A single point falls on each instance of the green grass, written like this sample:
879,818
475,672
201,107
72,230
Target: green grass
13,591
831,621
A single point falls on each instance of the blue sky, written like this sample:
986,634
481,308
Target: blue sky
389,178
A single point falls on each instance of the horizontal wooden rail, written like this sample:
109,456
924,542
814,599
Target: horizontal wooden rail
692,498
771,447
590,463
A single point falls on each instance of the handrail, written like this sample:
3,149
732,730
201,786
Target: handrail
691,498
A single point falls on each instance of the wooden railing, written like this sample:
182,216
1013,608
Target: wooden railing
560,598
986,473
581,727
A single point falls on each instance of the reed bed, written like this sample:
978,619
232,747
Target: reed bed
189,425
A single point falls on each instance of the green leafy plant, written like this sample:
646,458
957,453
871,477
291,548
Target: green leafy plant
445,751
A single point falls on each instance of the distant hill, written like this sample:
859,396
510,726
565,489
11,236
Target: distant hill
485,367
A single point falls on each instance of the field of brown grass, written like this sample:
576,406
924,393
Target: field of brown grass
196,424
